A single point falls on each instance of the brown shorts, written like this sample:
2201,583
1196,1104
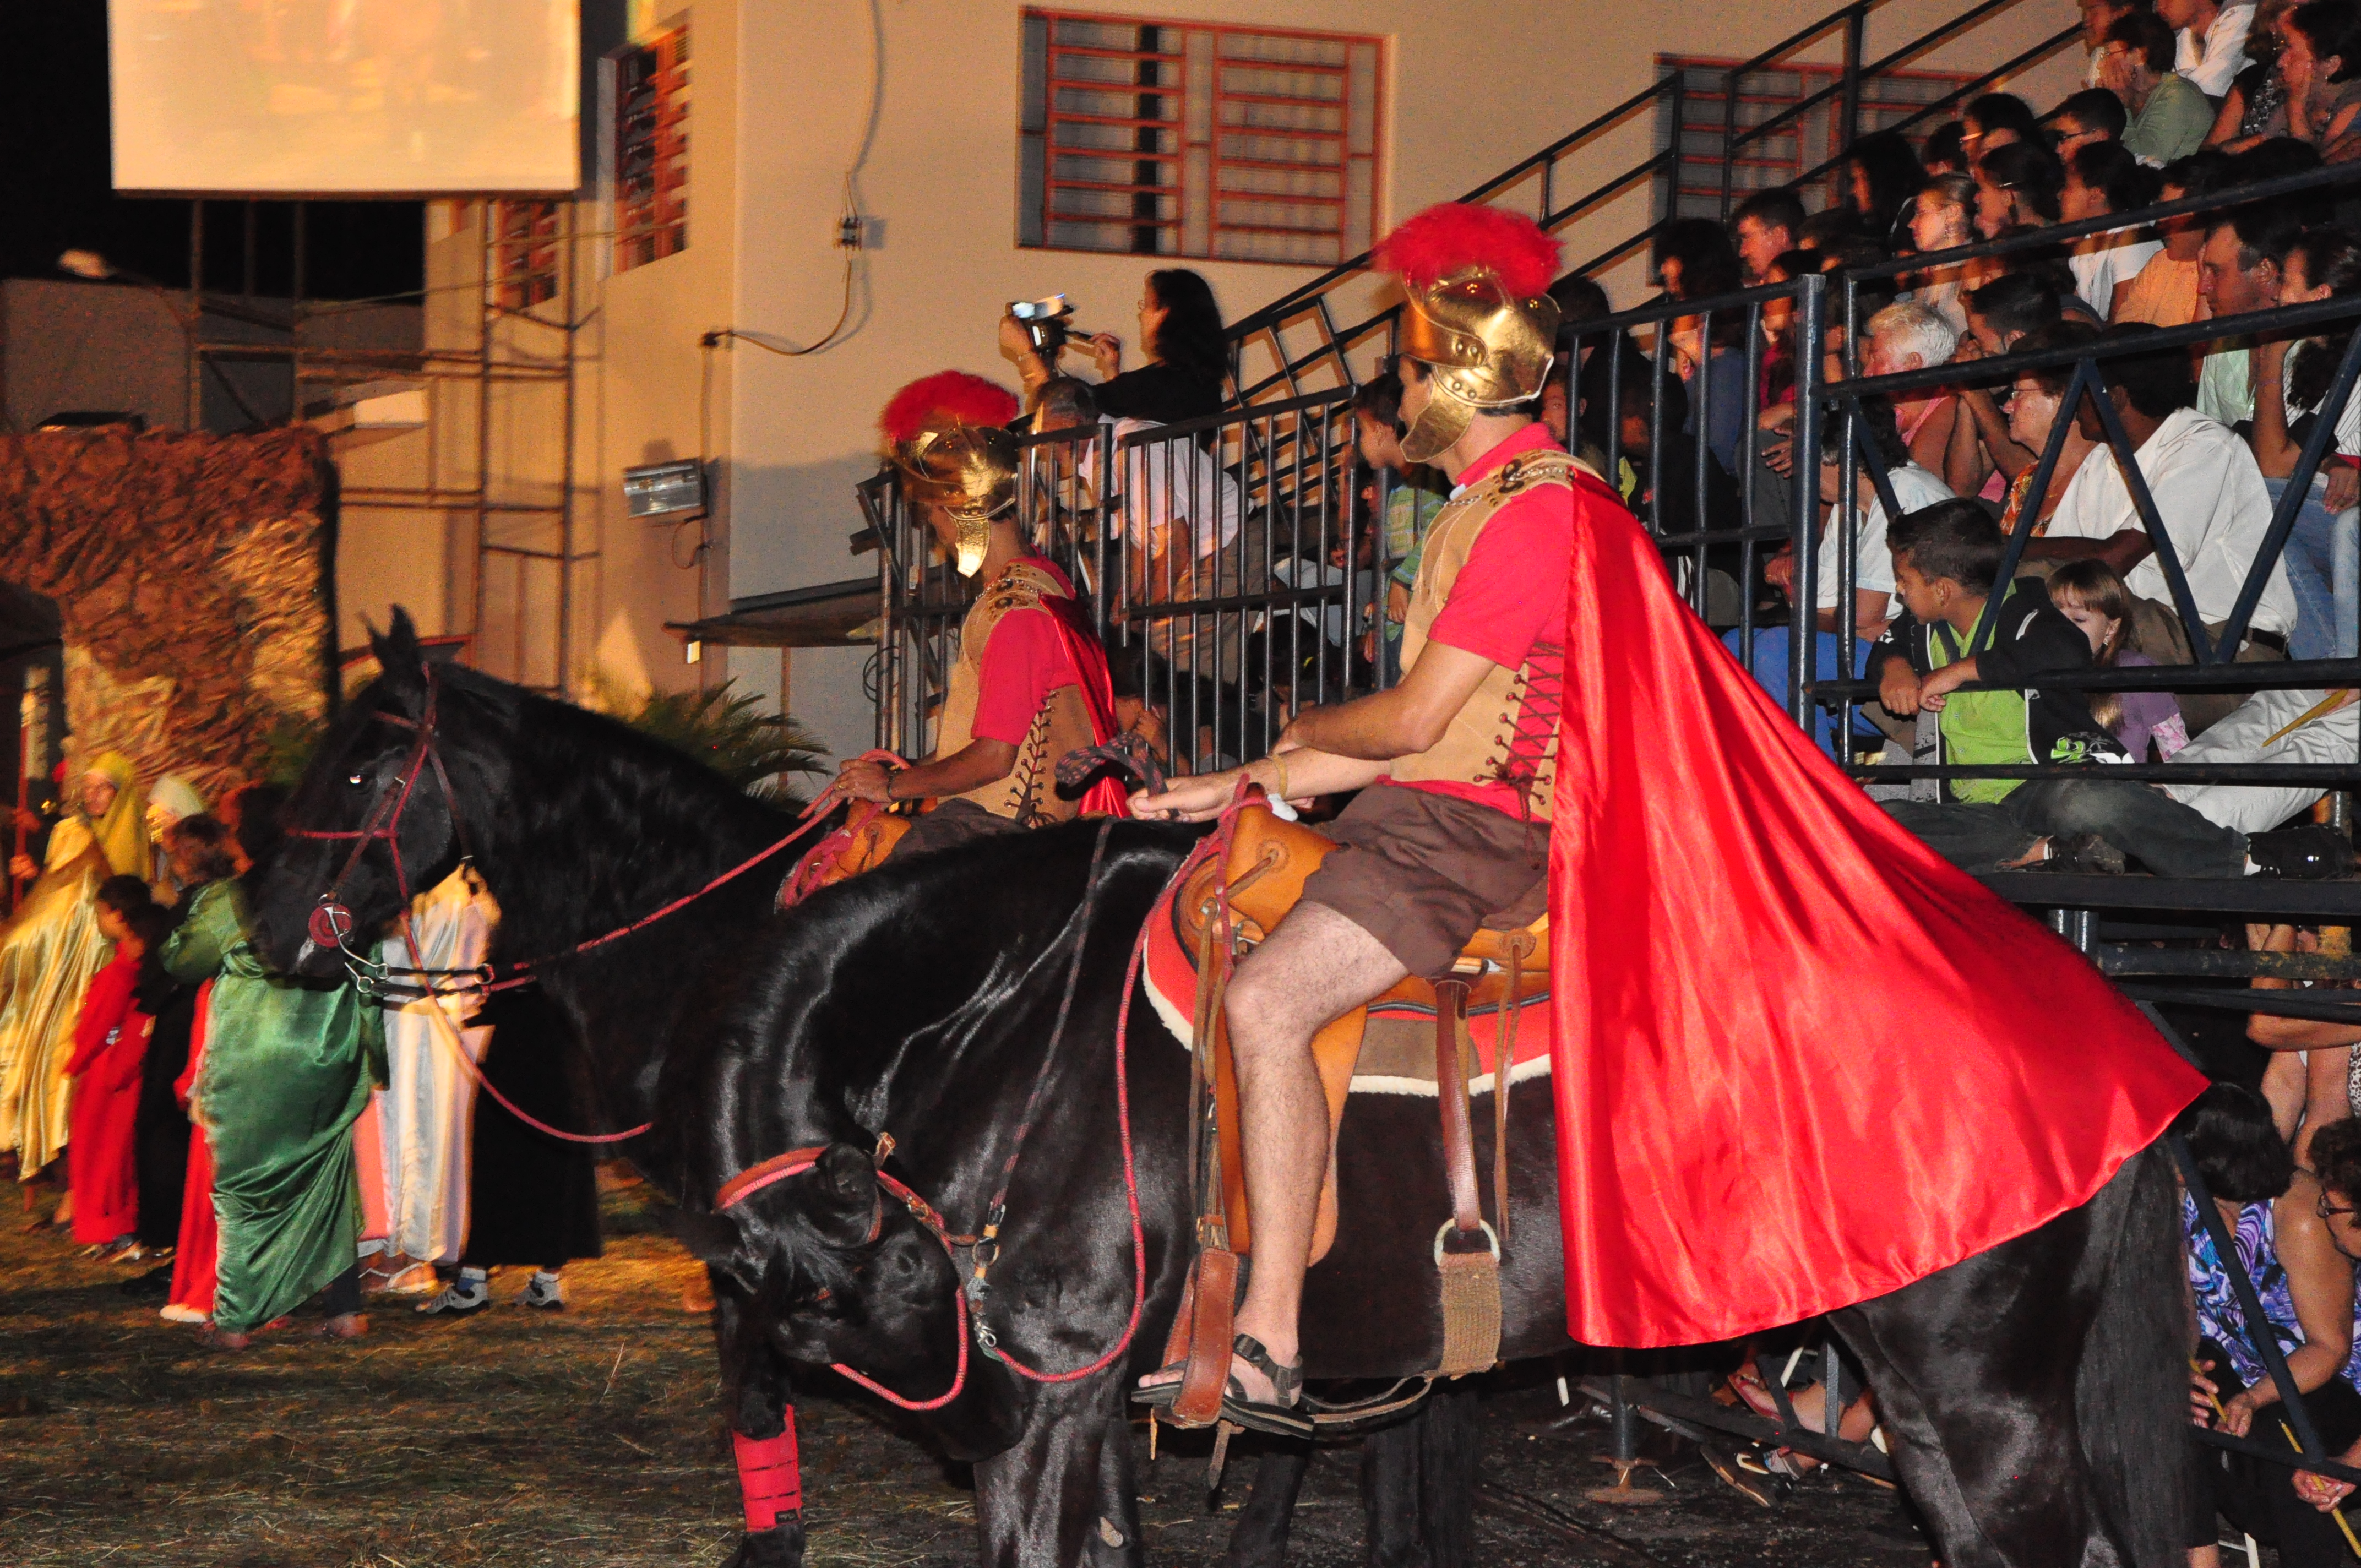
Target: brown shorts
1421,872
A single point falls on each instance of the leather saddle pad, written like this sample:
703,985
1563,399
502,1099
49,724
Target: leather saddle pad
1269,860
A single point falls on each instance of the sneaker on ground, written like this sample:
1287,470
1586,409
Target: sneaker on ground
544,1290
458,1298
2300,854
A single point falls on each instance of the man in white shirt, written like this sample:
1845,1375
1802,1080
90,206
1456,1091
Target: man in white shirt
2211,41
2209,495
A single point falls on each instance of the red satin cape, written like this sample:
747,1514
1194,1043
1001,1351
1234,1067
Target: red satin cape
1801,1060
1088,656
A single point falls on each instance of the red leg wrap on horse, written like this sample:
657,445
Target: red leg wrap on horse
769,1477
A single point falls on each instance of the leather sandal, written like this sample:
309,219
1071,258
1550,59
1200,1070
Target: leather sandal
1285,1418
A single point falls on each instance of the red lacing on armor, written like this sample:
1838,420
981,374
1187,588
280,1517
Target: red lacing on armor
1533,728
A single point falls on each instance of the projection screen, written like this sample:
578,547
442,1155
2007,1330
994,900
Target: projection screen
349,96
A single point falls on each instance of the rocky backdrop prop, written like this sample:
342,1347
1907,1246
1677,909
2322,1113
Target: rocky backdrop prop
191,574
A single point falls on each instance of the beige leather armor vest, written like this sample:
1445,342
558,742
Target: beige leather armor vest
1477,745
1029,794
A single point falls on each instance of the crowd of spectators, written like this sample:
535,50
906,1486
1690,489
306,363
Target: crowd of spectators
2182,100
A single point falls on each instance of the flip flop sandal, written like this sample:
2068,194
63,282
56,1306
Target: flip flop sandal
1283,1420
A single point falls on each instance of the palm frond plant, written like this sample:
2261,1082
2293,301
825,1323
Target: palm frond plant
728,732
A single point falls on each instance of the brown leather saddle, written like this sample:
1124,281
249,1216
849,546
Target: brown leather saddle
1223,909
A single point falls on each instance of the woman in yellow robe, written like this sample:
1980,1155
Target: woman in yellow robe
51,948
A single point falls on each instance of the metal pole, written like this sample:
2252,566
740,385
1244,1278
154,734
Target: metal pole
195,414
1811,306
1730,81
1623,1424
1676,89
483,412
571,221
297,283
1848,128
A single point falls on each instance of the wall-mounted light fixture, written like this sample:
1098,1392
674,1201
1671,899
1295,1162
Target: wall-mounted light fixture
665,489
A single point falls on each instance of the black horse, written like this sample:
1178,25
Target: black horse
2033,1391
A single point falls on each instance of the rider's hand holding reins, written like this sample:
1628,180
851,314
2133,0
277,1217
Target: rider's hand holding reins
861,779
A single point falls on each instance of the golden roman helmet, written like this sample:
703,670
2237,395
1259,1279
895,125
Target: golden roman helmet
1479,316
945,438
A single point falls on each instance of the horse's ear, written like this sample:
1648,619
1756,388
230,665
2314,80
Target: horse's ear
398,657
844,1194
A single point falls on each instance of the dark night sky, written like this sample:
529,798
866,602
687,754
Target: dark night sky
55,191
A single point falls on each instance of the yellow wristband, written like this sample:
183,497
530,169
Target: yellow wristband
1278,767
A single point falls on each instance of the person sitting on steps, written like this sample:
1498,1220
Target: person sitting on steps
1454,765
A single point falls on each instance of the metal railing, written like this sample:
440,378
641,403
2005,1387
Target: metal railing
1229,563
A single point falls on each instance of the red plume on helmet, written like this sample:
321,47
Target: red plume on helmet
1453,235
946,396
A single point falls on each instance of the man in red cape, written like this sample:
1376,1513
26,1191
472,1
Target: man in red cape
1800,1061
1030,683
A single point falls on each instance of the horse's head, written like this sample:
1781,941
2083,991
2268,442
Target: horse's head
836,1270
373,816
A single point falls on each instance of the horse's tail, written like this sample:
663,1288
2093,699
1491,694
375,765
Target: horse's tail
2131,1394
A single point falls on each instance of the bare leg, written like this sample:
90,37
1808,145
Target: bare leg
1316,966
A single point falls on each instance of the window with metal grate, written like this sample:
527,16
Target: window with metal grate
652,151
1182,138
524,253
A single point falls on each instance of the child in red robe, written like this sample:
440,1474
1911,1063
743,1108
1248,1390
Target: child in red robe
197,1258
110,1040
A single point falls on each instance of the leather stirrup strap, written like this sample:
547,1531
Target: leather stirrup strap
1212,1296
1469,1282
1504,1067
1451,1094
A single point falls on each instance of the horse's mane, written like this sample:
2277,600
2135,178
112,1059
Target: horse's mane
645,822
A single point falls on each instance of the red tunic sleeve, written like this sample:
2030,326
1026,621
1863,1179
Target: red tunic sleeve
1022,664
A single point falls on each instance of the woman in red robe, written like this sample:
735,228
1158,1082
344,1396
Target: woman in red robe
110,1040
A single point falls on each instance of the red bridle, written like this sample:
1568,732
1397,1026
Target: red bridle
331,922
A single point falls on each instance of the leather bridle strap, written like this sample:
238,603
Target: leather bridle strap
776,1168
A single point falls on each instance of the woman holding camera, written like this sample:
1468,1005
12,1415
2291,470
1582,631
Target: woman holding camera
1179,336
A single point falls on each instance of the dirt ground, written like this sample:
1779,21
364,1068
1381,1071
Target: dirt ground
590,1437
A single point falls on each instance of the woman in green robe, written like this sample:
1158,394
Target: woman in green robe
288,1066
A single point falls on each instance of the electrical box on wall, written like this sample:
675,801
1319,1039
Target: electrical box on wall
665,489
